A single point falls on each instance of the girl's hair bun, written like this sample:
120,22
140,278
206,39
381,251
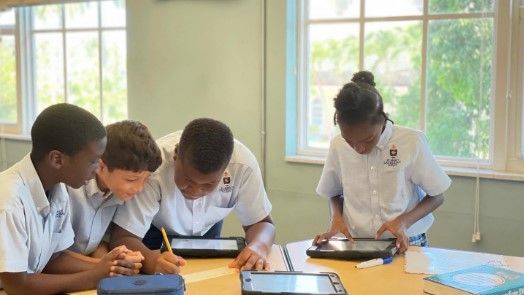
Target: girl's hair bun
364,77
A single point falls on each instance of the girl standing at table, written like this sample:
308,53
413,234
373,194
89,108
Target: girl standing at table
382,180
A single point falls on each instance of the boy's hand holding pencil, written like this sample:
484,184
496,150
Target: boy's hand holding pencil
168,262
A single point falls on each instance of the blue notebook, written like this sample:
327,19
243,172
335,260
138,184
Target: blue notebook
483,279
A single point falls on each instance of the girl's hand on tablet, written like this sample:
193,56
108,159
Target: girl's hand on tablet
337,225
398,229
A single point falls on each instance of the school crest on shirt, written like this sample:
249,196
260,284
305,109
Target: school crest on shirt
226,183
393,159
60,213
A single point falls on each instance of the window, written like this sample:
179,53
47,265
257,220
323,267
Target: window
8,68
73,53
435,64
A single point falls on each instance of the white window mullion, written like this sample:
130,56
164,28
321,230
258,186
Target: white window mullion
19,66
423,64
28,67
64,52
361,35
100,60
500,110
303,70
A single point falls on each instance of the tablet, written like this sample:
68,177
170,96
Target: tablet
263,282
203,247
356,249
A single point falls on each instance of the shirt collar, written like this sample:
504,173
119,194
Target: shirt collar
385,136
93,191
32,180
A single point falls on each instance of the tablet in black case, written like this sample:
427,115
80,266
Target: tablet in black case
204,247
356,249
290,282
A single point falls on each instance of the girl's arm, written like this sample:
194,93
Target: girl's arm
399,225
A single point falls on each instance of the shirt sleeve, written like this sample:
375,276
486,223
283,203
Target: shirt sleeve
427,173
136,215
330,183
14,253
253,204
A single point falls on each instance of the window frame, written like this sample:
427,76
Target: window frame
515,94
14,128
26,65
506,112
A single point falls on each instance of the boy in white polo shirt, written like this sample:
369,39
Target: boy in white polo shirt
34,207
381,179
205,174
131,155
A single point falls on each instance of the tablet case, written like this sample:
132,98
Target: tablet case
208,253
245,280
353,254
142,284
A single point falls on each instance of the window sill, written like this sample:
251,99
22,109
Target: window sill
18,137
452,171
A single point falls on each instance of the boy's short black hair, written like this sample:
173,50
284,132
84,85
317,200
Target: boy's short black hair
207,144
131,147
66,128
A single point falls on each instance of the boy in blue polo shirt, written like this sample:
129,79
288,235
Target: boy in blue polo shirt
34,207
131,155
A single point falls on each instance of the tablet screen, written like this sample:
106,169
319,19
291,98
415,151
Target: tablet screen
364,246
215,244
292,283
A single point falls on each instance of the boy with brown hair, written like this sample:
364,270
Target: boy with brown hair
131,155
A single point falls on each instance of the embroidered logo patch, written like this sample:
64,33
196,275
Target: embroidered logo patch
226,189
226,180
393,151
59,213
392,161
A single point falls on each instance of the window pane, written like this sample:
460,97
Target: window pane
321,9
113,13
114,76
8,95
333,57
460,6
83,82
392,54
7,18
81,15
459,87
47,17
376,8
49,70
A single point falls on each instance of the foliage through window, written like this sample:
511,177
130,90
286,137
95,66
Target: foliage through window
73,53
433,66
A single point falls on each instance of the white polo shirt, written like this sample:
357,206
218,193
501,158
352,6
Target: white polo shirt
241,190
32,227
390,180
92,211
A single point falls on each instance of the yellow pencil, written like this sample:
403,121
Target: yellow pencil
166,240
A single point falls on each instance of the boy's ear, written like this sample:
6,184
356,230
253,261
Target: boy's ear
175,156
56,159
102,167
